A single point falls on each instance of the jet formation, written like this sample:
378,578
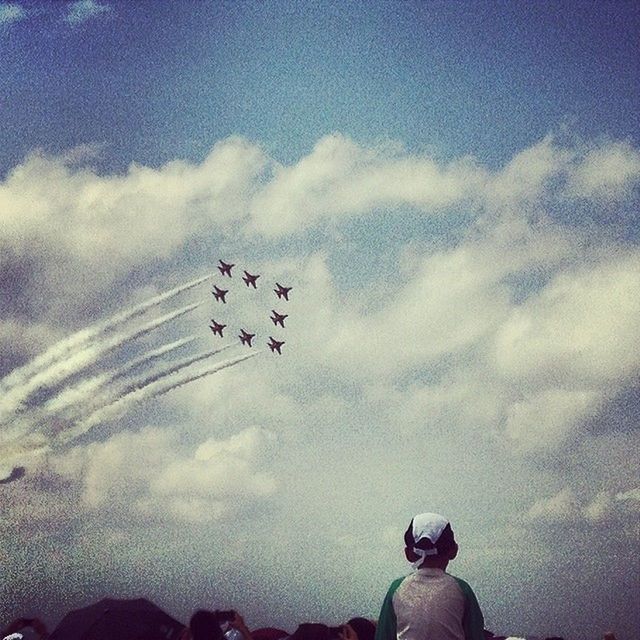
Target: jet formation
282,293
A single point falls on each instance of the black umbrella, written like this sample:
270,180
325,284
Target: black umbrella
118,620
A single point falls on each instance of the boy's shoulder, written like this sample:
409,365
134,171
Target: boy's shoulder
393,587
466,589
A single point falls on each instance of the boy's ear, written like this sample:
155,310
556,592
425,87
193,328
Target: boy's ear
410,554
453,552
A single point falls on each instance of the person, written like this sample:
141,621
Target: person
430,604
216,625
358,629
10,633
204,625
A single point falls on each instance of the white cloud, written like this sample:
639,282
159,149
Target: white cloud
632,495
560,508
83,10
580,329
600,508
11,12
565,339
547,419
565,507
607,172
339,179
146,474
528,175
80,221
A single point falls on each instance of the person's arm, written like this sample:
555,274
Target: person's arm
473,620
386,628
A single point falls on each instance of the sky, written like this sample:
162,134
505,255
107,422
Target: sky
451,189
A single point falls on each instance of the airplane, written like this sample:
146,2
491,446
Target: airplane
278,318
225,269
219,294
249,279
274,345
217,327
282,292
245,338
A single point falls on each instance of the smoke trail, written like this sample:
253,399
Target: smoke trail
60,370
118,403
24,446
72,343
83,392
113,395
150,356
202,374
175,368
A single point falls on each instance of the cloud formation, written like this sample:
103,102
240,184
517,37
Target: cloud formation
83,10
604,507
11,12
522,296
146,475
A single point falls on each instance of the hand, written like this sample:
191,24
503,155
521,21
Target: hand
239,624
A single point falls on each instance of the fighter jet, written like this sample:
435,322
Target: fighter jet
245,338
249,279
219,294
277,318
274,345
217,327
225,269
282,292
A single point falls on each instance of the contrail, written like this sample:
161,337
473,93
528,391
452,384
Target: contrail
135,393
140,384
150,356
202,374
93,404
84,391
62,369
72,343
24,446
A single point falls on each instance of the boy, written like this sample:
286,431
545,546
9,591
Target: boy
430,604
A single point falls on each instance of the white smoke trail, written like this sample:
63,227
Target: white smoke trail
62,369
119,403
67,346
176,367
202,374
83,393
25,446
150,356
89,405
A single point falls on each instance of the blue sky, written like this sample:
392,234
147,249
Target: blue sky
451,189
162,80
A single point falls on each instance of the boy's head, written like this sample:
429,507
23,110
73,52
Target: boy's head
429,541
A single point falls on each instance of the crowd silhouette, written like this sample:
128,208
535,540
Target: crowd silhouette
140,619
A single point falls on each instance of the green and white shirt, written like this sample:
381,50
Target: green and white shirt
430,604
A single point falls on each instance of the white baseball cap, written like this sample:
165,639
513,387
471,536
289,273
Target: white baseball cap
423,534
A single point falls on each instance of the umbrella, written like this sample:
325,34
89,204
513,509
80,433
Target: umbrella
111,619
